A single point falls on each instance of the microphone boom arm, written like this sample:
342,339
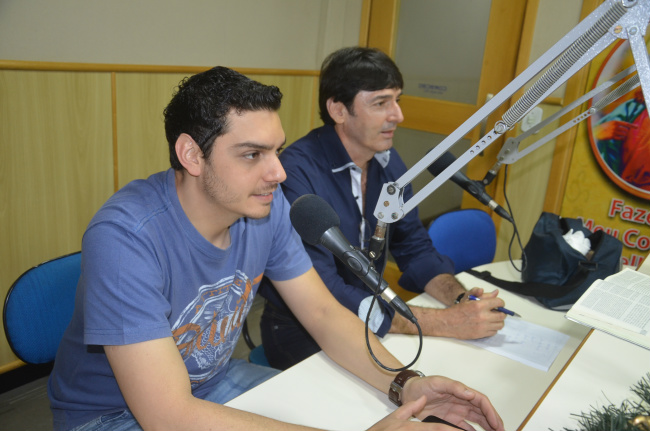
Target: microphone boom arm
510,151
613,19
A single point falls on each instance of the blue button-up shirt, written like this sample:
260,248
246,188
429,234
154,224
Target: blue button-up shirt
319,164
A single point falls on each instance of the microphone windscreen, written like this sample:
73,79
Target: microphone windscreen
442,163
311,216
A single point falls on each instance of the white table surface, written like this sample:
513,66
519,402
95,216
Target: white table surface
600,374
317,392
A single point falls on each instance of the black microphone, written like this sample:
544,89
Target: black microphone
317,223
474,188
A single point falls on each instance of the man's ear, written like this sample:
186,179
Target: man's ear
189,154
337,110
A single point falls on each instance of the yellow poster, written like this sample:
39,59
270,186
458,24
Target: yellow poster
609,179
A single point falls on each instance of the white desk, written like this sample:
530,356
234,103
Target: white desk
317,392
600,374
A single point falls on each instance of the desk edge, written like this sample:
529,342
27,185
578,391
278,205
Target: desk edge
541,400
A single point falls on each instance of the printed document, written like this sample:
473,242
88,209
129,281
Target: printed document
525,342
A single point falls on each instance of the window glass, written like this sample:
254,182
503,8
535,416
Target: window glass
440,46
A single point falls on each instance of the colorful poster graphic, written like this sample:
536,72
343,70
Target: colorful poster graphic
608,184
620,133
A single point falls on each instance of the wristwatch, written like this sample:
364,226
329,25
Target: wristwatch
457,301
397,385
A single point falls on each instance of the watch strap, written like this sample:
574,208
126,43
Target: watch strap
397,385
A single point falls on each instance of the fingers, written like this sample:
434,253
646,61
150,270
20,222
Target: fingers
410,409
621,129
488,303
468,321
470,405
481,411
485,414
492,294
473,319
487,300
488,321
493,299
401,417
481,294
625,125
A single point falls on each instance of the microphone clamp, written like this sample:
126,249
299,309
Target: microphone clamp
377,241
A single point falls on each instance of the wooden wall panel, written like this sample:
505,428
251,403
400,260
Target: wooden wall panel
55,169
299,111
141,145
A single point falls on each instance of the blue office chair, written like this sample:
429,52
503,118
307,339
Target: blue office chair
467,236
39,306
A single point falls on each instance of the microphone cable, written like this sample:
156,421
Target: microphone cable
372,303
514,226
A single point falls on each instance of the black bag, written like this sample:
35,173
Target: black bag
555,273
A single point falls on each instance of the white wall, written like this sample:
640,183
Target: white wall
555,18
284,34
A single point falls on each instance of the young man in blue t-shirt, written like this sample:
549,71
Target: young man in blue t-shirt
170,266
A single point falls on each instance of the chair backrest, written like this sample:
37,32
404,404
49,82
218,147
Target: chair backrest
39,306
467,236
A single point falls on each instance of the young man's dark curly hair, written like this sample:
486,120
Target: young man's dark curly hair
202,102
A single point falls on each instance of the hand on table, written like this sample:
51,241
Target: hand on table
445,398
474,319
452,401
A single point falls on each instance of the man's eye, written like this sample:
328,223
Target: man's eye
251,156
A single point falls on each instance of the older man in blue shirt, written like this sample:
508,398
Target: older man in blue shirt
346,162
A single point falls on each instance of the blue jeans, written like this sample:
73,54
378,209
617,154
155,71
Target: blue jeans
240,377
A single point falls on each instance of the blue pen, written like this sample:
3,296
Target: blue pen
501,309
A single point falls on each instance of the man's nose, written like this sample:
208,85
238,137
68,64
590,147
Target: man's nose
396,115
276,173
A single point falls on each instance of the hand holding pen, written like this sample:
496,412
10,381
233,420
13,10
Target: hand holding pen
501,309
474,316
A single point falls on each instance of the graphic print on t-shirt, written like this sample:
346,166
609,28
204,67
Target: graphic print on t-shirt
208,328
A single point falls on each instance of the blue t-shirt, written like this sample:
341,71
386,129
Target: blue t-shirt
319,164
147,273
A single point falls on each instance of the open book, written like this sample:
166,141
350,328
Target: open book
618,305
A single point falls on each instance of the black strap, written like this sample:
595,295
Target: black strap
539,289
